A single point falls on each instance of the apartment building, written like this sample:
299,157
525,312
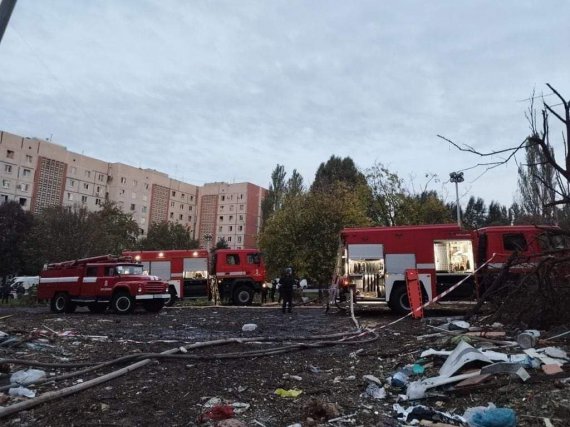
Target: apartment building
38,174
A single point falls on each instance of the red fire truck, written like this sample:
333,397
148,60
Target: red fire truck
100,282
237,273
373,260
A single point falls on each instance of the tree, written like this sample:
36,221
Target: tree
304,232
116,231
167,236
497,215
295,185
274,198
536,183
475,214
387,194
423,208
15,224
539,138
337,170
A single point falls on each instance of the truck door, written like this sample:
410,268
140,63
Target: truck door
195,277
89,286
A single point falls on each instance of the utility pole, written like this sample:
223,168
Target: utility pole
6,8
457,177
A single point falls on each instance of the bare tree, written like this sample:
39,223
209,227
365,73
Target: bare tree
540,138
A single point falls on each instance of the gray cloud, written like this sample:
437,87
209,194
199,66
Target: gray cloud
224,90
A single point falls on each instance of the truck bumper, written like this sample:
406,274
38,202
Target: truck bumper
152,296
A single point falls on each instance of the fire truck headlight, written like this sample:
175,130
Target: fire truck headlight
140,290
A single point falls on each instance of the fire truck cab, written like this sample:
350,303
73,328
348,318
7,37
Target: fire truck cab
100,282
373,260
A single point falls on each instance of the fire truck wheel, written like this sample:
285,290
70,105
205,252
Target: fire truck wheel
122,303
153,306
399,300
243,295
60,303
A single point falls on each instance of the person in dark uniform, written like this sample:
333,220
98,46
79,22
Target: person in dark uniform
5,290
264,291
286,283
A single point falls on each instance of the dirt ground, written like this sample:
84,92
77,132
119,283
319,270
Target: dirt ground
176,392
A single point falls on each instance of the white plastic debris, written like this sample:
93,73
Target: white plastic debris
416,390
27,376
21,392
376,392
372,379
248,327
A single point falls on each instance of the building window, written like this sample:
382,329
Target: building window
135,182
24,187
133,207
23,201
174,194
69,196
229,238
181,206
171,204
72,183
3,198
101,177
241,217
85,186
143,209
180,217
240,227
220,229
73,170
191,197
222,198
182,195
27,172
221,217
98,202
83,199
241,207
29,158
171,215
189,218
231,217
8,168
241,196
146,186
239,239
231,207
98,189
123,180
10,154
5,183
88,174
189,208
221,207
231,228
122,192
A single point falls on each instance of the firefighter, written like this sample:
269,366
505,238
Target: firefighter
286,283
5,290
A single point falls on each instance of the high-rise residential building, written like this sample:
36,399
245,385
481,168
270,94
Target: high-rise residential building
38,174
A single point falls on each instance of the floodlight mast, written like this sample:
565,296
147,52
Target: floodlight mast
457,177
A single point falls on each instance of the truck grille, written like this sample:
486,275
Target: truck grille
154,287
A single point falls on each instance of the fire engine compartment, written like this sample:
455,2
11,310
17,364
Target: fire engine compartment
453,256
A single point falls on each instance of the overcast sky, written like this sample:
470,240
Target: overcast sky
225,90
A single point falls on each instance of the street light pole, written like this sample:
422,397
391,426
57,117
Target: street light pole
457,177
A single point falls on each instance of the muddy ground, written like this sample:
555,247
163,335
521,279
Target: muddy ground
174,392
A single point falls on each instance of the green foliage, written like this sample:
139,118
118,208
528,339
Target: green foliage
337,170
475,213
497,215
166,236
304,232
274,198
423,208
72,232
536,183
387,194
14,227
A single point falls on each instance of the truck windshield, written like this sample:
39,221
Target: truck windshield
129,269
